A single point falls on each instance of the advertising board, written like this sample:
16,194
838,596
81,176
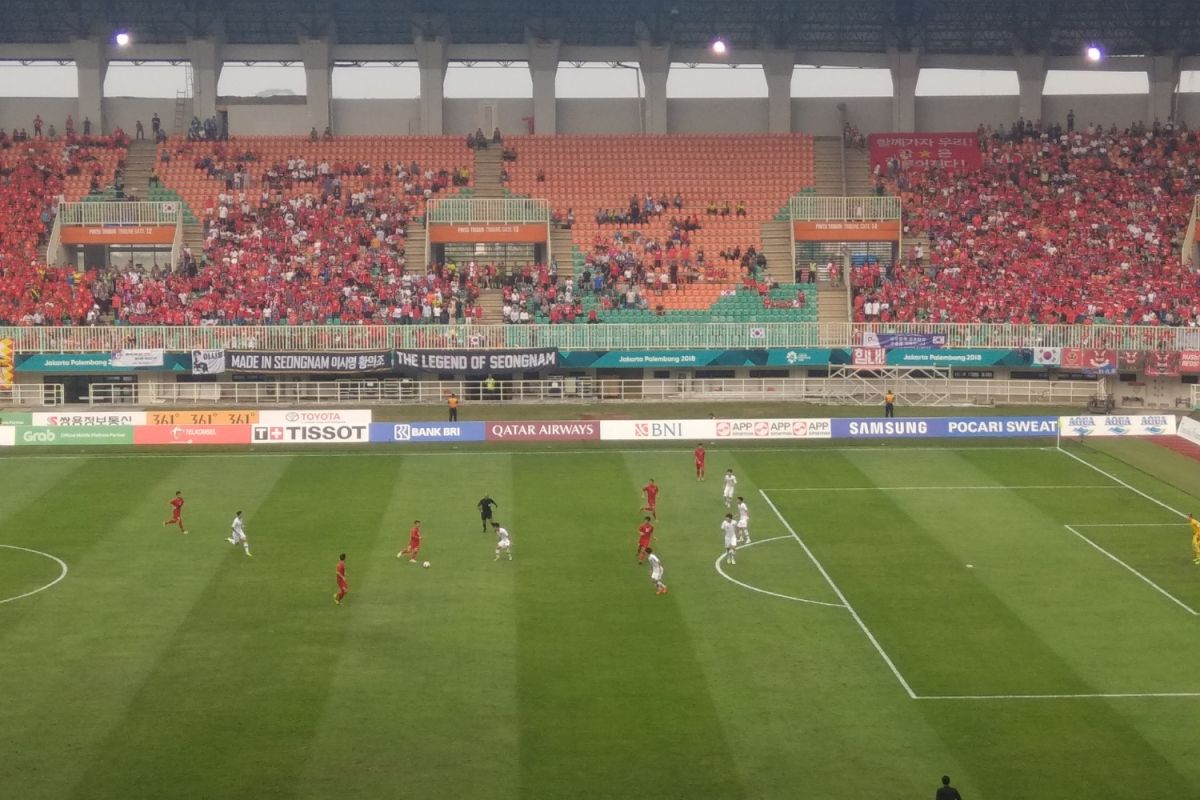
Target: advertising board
656,430
1118,425
8,435
77,436
946,427
543,431
299,433
416,432
94,418
191,434
820,428
302,416
202,417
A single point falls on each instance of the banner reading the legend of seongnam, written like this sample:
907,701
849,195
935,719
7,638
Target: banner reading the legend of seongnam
949,151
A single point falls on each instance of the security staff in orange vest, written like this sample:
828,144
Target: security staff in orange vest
452,404
889,404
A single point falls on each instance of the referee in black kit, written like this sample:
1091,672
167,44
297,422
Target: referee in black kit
946,791
485,510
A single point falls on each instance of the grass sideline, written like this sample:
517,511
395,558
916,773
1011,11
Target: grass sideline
174,666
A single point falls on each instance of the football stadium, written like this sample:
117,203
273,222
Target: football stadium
566,399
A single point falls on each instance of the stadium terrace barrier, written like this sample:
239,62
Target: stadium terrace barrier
608,336
340,427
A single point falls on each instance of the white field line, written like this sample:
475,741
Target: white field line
1144,579
933,488
1115,479
1125,524
731,579
392,450
1082,696
867,631
62,565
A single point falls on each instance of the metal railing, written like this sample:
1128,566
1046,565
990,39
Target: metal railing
849,390
664,336
119,213
870,207
507,209
32,394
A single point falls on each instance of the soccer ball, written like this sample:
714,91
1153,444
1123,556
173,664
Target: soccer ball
426,565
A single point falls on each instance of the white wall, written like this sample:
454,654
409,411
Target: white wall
819,116
376,117
280,117
462,116
1121,109
124,112
600,116
964,113
18,112
717,116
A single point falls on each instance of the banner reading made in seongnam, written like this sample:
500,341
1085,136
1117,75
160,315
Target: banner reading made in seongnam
1118,425
331,362
476,360
543,431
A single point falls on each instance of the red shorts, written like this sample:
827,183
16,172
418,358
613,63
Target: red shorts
176,517
343,586
643,543
414,546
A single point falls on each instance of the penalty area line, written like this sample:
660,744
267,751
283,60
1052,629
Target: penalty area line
991,487
1143,578
866,631
62,565
732,579
1081,696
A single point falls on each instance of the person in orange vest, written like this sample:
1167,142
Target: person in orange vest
889,404
452,404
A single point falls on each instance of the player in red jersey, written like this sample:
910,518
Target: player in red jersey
699,453
651,492
645,533
176,512
343,587
414,543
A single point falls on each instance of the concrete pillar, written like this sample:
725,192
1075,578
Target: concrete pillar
431,61
318,76
1031,80
205,57
778,66
91,65
1164,80
655,63
543,66
906,67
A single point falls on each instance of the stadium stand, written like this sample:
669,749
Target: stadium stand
1056,227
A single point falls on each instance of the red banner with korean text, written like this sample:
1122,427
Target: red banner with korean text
949,151
1089,360
1161,364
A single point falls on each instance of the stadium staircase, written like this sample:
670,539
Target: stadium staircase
827,166
492,303
858,173
563,249
414,246
832,304
777,247
488,163
139,163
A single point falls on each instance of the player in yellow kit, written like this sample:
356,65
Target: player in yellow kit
1195,523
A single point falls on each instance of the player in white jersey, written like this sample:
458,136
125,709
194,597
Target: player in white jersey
237,534
743,521
729,528
730,482
503,541
656,572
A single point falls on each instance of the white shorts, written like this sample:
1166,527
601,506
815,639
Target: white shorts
730,542
743,524
656,575
504,544
728,492
237,536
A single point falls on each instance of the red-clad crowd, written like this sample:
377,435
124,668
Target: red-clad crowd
1056,227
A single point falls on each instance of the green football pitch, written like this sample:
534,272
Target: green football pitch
1021,617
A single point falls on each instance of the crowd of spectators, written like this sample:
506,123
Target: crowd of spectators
1057,226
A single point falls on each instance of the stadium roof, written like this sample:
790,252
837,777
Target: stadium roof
966,27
